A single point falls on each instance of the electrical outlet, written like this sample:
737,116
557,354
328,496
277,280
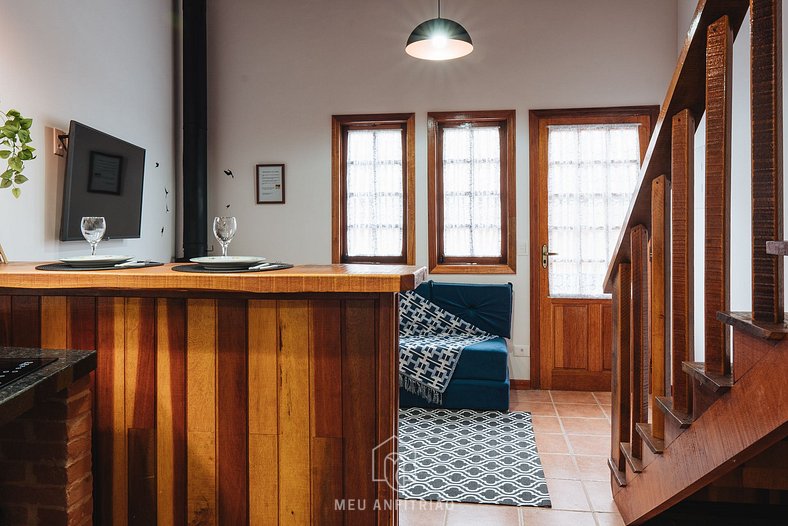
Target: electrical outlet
522,248
521,351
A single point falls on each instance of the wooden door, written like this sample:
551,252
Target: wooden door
584,169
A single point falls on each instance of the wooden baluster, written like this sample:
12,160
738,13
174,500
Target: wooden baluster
682,274
719,41
638,337
660,296
767,157
620,374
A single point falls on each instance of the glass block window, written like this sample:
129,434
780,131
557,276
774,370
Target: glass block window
592,173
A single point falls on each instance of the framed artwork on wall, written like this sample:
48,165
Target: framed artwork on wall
270,183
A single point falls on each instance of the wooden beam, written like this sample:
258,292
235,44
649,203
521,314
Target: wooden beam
719,56
620,388
660,296
766,92
638,337
682,273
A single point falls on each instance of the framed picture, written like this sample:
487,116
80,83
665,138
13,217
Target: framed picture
270,179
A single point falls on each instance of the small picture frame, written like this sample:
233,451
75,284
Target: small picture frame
270,184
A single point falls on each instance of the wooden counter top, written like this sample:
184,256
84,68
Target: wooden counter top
303,278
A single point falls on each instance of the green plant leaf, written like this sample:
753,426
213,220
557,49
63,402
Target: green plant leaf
7,174
13,113
24,136
25,123
16,192
15,164
19,179
25,155
5,183
5,154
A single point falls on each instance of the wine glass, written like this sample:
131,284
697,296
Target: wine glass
93,229
224,231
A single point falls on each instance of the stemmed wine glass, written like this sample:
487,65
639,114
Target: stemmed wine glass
93,229
224,231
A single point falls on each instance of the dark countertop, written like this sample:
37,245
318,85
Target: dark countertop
21,395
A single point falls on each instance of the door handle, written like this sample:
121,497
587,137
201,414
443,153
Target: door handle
545,255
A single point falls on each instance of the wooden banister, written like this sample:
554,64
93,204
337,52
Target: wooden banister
620,374
719,56
767,158
682,274
660,295
638,337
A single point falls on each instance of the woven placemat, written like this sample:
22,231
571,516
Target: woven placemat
62,267
200,269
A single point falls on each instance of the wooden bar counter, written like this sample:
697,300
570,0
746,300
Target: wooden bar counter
229,399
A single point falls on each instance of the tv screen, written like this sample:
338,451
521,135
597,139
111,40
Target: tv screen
103,178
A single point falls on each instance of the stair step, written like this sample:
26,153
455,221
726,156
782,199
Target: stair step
665,404
619,476
656,445
634,463
715,382
743,321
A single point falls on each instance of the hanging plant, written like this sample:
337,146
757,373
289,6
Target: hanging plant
15,148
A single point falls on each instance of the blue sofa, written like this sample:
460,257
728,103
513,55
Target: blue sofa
481,379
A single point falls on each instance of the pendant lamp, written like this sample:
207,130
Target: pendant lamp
439,39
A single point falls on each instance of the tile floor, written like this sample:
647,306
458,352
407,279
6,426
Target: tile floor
573,438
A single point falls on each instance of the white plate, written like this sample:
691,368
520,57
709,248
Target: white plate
227,262
95,261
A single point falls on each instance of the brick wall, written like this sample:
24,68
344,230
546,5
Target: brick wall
45,462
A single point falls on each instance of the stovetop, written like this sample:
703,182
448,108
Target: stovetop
12,369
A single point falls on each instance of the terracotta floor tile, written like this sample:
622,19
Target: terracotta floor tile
573,397
586,426
546,443
546,424
535,408
567,495
600,496
589,445
579,410
603,397
559,466
535,395
477,514
422,513
552,517
593,468
609,519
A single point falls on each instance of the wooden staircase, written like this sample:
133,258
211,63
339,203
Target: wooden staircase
707,437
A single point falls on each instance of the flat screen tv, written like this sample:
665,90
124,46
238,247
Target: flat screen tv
104,177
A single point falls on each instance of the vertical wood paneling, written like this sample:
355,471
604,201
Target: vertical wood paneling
719,54
620,396
638,336
683,256
171,411
607,337
660,299
5,320
358,384
263,345
110,469
232,407
326,407
201,412
388,401
767,157
54,322
594,344
26,320
82,320
294,414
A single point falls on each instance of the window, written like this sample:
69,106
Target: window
471,192
373,180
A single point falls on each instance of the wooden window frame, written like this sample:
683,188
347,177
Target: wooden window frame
538,120
340,124
507,263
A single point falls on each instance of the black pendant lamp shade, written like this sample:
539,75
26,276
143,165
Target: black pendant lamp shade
439,39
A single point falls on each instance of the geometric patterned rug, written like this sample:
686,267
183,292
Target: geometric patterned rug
460,455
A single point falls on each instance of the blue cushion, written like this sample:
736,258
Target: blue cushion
482,395
483,361
487,306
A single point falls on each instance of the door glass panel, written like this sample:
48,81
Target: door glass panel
591,175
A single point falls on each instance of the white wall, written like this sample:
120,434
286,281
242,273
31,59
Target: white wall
279,69
741,191
108,64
